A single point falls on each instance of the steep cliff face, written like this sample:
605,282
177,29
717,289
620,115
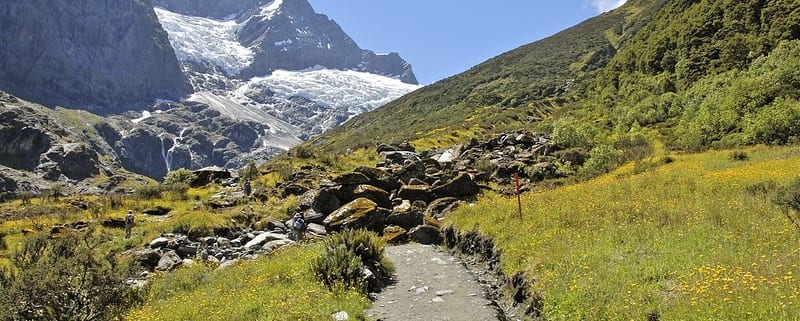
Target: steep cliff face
217,9
97,54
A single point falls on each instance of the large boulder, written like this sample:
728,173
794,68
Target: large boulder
262,238
461,186
426,234
360,213
394,234
374,194
416,192
168,262
439,208
352,178
379,178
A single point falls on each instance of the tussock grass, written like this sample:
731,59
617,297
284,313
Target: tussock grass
684,239
278,287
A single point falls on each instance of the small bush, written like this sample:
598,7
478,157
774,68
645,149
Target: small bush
180,176
761,189
249,172
788,198
339,267
25,197
69,278
180,189
347,255
738,155
148,192
114,201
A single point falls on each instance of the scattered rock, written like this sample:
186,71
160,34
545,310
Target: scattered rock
168,262
426,234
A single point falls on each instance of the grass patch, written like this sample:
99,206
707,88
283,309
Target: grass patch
685,240
278,287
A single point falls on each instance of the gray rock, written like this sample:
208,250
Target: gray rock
340,316
461,186
264,237
316,229
168,262
352,178
426,234
148,258
416,192
159,242
275,244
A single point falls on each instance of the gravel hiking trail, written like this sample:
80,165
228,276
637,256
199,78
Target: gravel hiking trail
429,284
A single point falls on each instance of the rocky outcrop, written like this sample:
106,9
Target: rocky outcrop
295,37
217,9
95,54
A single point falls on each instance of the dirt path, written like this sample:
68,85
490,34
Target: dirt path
430,285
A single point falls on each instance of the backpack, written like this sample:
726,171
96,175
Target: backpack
299,223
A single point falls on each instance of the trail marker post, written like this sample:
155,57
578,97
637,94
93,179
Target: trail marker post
519,199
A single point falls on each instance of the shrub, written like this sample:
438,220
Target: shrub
738,155
69,278
347,257
180,176
180,189
114,201
25,197
250,171
601,160
788,198
339,267
148,192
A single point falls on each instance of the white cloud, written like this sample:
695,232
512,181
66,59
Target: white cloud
607,5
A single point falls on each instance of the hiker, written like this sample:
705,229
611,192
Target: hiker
128,224
247,188
298,227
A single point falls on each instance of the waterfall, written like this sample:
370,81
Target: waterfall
166,154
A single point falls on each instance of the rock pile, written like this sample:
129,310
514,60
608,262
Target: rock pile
407,193
173,250
404,197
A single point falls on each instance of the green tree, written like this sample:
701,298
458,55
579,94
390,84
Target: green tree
250,171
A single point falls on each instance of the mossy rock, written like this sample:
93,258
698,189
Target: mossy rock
361,213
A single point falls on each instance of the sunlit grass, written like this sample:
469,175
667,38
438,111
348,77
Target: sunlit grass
683,239
279,287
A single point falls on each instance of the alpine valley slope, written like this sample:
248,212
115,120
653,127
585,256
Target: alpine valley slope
182,84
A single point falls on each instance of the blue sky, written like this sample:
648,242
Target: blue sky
441,38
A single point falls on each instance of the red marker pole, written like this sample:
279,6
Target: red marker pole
519,199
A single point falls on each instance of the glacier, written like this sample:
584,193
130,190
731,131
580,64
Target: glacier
294,104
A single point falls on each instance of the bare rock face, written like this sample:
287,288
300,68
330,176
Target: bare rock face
217,9
97,54
295,37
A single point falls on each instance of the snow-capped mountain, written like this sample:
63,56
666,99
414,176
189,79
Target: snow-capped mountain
283,60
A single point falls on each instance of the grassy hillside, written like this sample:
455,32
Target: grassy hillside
700,73
695,239
512,90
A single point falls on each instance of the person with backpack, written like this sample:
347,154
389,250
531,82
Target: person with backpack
298,226
128,224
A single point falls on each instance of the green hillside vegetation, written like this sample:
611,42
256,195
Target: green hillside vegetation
510,91
699,238
668,236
